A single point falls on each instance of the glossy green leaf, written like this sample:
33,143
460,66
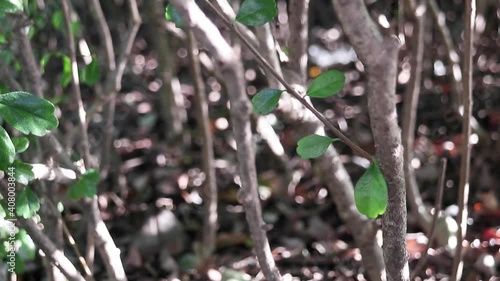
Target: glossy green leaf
27,203
28,113
370,192
92,73
21,144
22,172
85,186
256,12
7,150
326,84
172,15
313,146
266,100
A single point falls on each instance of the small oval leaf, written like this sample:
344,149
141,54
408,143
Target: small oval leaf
326,84
370,192
28,113
91,74
22,172
85,186
313,146
266,100
27,203
256,12
7,150
21,144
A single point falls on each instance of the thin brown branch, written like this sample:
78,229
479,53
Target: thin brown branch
463,191
210,186
75,82
437,208
231,68
104,33
113,83
56,256
410,113
289,88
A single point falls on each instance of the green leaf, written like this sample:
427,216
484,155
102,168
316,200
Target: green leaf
266,100
313,146
92,73
172,15
256,12
7,150
27,250
22,172
27,203
66,75
85,186
45,59
28,113
326,84
370,192
21,144
58,20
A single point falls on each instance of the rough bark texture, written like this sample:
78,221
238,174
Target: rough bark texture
299,10
379,55
229,65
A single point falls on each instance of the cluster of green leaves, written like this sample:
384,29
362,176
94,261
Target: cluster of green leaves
28,114
371,190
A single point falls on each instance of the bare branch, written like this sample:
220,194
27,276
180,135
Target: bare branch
463,191
229,63
210,186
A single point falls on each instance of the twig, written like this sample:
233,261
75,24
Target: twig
437,208
263,62
56,256
410,113
75,81
463,192
210,186
107,41
231,68
104,33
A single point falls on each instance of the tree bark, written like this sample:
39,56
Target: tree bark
379,55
